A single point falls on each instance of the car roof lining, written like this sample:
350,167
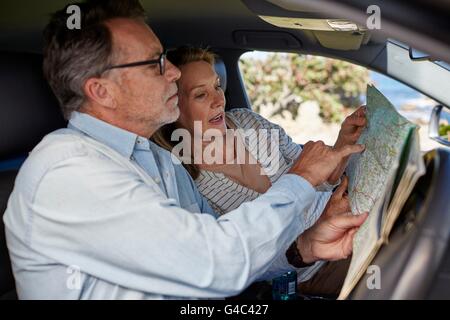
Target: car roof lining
175,22
183,22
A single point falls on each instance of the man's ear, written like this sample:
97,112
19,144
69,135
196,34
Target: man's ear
101,91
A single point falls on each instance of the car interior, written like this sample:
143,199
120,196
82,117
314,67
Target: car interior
416,262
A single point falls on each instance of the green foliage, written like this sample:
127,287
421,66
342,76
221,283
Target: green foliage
284,81
443,129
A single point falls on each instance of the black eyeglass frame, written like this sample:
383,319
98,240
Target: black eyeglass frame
161,61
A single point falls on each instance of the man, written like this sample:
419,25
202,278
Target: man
100,212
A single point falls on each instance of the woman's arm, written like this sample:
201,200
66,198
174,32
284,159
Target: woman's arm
289,149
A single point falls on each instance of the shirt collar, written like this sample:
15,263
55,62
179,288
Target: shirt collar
121,140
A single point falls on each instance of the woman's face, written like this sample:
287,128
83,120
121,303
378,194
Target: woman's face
200,97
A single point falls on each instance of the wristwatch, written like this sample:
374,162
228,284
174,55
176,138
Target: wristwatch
295,258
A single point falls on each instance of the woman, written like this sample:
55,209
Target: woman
226,184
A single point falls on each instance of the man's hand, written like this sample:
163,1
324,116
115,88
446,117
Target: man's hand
350,132
317,161
331,237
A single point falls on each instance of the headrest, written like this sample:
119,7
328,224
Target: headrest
221,71
28,108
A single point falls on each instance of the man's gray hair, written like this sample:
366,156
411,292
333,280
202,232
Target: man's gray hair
72,56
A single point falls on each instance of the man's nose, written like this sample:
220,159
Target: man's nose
172,72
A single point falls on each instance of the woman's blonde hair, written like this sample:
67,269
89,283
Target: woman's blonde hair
179,57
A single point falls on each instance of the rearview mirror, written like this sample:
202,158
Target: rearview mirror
439,129
417,55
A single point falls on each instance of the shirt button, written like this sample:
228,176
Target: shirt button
157,180
132,158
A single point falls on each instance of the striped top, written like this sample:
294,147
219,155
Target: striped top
224,194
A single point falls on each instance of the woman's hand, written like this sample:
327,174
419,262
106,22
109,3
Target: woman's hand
339,201
349,134
352,128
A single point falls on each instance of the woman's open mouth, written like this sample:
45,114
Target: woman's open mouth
217,119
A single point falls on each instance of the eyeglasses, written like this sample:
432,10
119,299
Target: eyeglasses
161,61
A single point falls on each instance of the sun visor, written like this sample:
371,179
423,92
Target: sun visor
337,34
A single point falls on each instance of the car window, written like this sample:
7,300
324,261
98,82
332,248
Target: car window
309,96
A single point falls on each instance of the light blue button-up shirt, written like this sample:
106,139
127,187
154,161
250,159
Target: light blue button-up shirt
98,212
